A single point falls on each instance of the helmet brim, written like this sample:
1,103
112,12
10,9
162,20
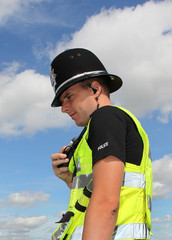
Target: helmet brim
114,83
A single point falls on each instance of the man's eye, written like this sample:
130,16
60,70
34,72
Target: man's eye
69,97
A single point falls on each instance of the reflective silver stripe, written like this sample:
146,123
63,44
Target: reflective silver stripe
126,231
131,231
58,234
80,76
149,203
78,166
77,234
132,179
81,181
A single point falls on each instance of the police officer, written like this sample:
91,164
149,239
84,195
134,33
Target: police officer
111,160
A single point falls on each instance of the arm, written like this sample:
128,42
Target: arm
102,211
63,173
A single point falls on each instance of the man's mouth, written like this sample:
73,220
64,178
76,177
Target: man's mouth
72,115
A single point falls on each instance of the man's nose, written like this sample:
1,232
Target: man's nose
64,107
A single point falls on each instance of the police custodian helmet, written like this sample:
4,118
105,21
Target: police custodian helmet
75,65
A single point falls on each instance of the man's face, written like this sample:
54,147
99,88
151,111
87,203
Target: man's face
79,103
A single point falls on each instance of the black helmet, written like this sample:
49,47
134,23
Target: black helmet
75,65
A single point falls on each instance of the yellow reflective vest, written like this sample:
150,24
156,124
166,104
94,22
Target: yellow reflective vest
134,215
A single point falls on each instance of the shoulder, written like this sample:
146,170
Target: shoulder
107,132
106,109
108,115
108,121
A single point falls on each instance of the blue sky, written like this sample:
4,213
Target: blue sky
134,40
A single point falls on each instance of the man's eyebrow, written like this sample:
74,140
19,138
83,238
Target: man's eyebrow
65,96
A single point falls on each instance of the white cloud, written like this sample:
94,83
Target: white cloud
162,177
162,227
135,44
132,42
159,233
167,218
25,103
30,12
28,227
27,223
20,228
24,199
10,8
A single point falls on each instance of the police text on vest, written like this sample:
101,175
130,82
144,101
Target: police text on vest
102,146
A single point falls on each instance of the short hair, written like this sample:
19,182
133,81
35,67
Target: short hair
101,80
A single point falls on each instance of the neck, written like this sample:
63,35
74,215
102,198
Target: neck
103,100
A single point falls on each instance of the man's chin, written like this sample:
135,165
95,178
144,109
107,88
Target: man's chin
80,124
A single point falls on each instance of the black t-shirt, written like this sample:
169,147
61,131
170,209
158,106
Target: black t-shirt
113,132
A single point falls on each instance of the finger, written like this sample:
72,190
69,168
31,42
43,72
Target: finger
57,162
58,156
61,172
62,149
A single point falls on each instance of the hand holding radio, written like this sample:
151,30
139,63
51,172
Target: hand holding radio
69,150
61,172
60,161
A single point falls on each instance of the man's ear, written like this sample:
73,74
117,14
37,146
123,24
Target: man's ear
94,90
96,87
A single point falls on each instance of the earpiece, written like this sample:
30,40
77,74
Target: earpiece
94,90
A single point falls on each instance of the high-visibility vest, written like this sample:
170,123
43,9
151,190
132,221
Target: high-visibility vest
134,215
